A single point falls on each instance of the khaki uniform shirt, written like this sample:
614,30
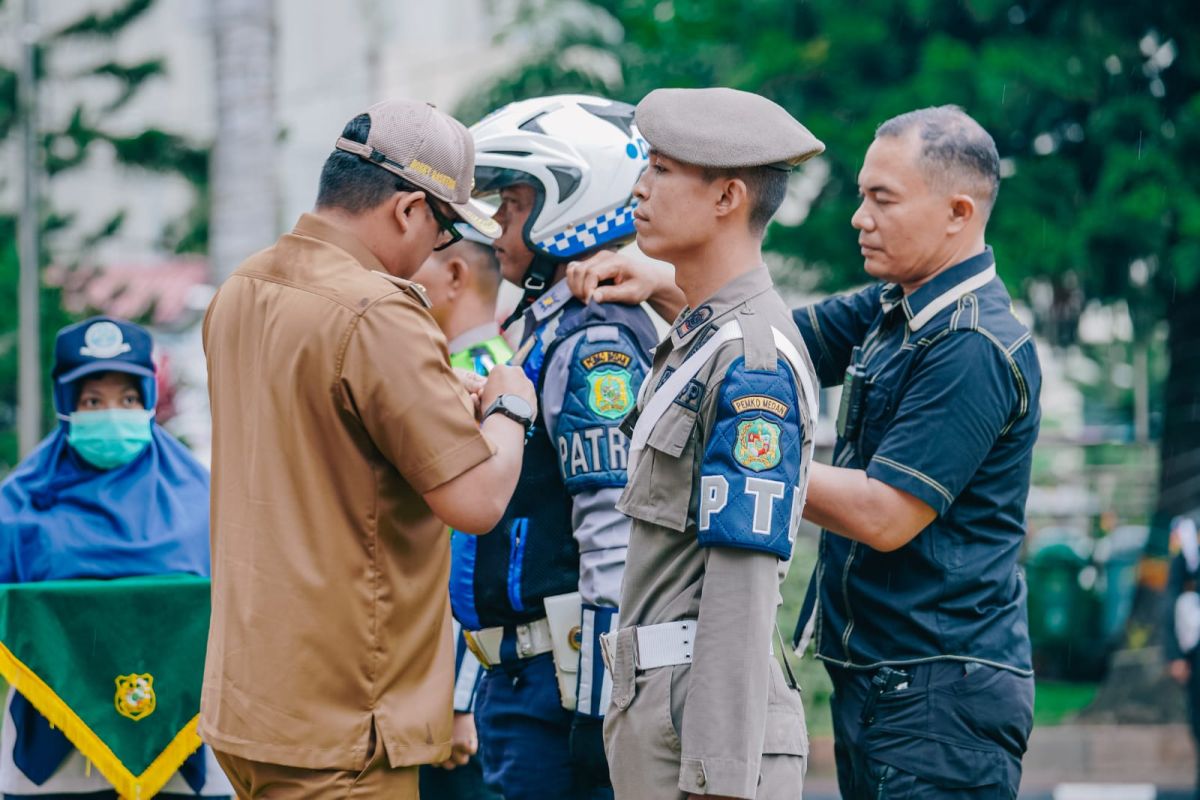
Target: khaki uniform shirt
334,410
730,705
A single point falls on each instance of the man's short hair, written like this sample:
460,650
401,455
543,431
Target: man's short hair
957,154
765,189
352,184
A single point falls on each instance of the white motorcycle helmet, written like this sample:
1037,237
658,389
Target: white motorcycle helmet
582,155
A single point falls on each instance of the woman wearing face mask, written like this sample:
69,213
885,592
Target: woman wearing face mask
108,494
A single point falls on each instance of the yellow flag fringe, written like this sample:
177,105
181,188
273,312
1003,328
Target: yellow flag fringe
61,716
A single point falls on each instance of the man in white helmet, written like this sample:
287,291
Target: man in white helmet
535,594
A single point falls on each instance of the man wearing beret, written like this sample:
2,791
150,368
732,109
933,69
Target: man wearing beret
917,606
720,445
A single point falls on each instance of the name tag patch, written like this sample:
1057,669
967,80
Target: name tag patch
697,318
603,357
760,402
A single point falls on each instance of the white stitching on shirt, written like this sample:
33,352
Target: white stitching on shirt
921,476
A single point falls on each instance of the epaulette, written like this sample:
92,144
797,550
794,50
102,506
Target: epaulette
554,299
412,288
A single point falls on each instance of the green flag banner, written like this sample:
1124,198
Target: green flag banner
116,665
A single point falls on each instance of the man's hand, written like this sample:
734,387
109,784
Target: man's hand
475,501
464,742
632,282
504,379
1179,670
472,381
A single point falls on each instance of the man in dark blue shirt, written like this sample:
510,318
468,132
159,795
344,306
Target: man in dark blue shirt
917,606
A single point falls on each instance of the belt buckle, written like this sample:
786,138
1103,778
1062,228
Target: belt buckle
525,643
476,649
608,646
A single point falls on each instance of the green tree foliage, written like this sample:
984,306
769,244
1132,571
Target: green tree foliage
1094,105
68,147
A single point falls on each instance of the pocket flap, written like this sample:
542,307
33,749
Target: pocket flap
673,430
785,733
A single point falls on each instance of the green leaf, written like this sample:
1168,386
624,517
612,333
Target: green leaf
107,24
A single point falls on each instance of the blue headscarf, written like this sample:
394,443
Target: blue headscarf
61,517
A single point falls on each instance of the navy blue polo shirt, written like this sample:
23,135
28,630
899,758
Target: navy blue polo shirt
951,415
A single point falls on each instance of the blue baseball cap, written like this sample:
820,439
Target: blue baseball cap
103,344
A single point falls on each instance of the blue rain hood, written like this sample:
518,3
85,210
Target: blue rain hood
60,517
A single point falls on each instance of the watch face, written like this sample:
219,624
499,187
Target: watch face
518,405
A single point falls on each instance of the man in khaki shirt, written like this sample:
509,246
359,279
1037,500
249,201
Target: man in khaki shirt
720,444
340,436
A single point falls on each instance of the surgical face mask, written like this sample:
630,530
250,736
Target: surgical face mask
110,438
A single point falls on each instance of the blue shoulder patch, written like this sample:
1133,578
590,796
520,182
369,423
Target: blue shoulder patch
752,463
602,388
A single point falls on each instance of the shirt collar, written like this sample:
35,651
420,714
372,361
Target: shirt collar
728,297
942,291
477,335
316,227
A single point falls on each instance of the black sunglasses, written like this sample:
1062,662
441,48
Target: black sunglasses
445,224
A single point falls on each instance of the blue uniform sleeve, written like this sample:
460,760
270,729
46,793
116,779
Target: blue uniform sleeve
752,462
833,327
965,388
601,372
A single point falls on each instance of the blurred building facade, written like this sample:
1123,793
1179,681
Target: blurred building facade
332,61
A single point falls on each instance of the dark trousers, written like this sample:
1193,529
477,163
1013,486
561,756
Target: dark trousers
460,783
524,733
1193,693
956,731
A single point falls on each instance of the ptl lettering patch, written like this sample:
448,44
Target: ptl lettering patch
603,357
691,395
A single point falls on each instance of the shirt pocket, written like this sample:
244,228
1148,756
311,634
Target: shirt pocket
877,417
659,489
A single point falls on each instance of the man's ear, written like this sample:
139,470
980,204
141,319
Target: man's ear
458,274
962,210
405,204
733,196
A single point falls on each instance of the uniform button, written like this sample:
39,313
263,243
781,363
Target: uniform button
700,777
